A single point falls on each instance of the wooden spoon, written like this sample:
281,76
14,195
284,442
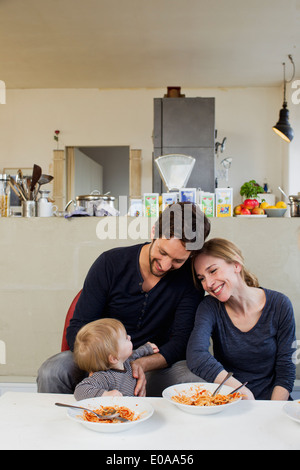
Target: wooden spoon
36,174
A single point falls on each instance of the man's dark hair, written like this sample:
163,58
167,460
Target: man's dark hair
185,221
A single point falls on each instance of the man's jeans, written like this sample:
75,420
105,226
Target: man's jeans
60,374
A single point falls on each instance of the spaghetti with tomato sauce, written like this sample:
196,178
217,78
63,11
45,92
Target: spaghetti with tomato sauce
197,396
123,411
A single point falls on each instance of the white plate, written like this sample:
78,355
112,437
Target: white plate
198,410
292,409
252,216
137,405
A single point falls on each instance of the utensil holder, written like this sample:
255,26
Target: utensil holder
28,209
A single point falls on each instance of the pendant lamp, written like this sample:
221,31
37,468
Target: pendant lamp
283,127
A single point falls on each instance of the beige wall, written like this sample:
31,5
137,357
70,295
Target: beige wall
125,117
44,263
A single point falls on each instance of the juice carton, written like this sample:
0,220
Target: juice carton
168,199
207,203
151,204
187,195
223,202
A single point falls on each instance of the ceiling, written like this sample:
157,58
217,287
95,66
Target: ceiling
147,43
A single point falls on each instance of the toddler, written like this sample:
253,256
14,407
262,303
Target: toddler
104,349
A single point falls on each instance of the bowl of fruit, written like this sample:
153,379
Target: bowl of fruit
276,211
249,208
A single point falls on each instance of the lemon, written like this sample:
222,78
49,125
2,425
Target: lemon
272,207
281,205
264,205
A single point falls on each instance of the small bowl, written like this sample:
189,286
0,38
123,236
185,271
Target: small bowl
275,212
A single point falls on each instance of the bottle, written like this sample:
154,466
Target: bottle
4,196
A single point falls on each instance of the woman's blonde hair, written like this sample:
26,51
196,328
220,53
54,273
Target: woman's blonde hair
229,252
95,342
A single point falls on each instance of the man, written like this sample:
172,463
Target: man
149,288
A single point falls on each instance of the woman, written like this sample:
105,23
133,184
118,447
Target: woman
252,328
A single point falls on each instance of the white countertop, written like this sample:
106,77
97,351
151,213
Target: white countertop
32,421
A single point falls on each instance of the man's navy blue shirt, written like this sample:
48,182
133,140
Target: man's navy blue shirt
164,315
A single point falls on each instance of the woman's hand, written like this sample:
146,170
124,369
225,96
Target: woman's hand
247,394
234,383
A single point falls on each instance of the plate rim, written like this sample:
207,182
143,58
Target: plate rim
288,405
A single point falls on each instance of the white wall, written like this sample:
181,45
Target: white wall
125,117
294,147
88,174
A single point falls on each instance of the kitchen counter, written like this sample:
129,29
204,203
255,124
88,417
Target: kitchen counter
45,261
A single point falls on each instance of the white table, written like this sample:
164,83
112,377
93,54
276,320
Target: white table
32,421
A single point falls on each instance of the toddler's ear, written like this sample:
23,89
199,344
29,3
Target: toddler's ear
112,359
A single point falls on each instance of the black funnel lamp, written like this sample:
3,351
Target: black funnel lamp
283,127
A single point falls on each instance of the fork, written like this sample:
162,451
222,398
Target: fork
108,415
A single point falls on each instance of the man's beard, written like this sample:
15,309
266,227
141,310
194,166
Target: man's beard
152,261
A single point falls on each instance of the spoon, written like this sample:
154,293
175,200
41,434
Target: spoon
36,174
238,388
108,415
222,383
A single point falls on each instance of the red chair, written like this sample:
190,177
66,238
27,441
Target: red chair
64,344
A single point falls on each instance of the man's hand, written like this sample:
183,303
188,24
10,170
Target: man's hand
142,365
138,373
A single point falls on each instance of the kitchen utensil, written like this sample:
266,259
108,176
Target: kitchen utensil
175,170
294,205
44,179
89,202
17,188
105,415
222,383
238,388
281,190
36,174
26,182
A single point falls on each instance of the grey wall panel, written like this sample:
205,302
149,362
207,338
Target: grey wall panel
186,126
187,122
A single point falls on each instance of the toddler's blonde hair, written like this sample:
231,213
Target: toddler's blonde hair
95,342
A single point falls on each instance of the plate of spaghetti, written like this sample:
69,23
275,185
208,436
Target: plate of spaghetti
196,397
135,409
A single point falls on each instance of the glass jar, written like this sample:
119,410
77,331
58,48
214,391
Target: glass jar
4,196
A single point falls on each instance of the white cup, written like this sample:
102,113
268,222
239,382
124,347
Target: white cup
46,209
